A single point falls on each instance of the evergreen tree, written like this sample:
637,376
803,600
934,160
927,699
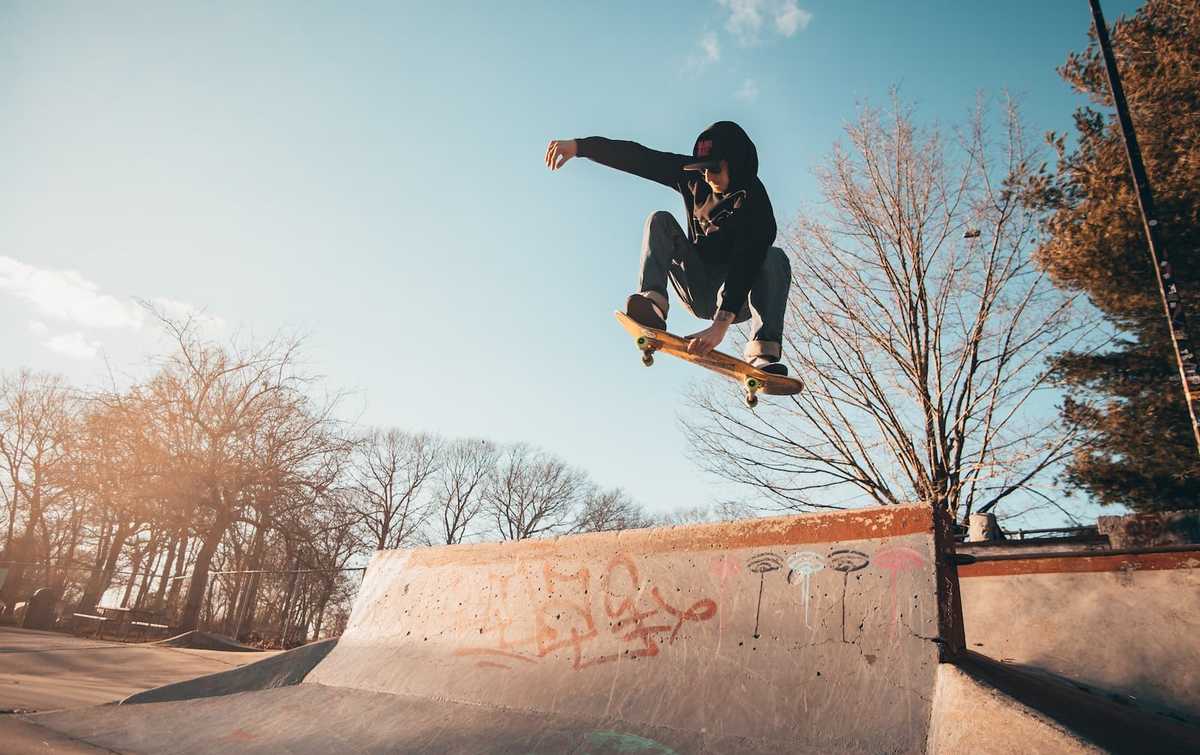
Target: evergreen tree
1129,395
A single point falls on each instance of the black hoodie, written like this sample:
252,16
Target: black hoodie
735,228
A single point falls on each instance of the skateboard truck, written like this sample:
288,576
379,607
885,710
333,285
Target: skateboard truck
753,385
647,347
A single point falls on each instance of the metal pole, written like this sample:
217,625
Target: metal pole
1167,288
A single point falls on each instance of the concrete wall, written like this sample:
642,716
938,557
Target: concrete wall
1125,624
820,633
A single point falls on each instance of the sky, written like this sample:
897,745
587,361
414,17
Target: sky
370,175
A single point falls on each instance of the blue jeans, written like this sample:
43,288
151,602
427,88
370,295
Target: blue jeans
668,255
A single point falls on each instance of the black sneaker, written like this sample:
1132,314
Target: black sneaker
644,312
770,367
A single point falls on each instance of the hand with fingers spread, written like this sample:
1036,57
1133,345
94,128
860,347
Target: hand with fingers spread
559,151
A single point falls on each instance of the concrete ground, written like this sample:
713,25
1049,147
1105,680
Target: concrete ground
312,719
972,713
43,671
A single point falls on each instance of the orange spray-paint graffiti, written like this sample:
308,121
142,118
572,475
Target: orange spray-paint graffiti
539,610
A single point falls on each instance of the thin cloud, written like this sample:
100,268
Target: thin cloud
709,52
748,18
74,345
66,295
748,91
179,310
745,19
791,18
711,47
68,298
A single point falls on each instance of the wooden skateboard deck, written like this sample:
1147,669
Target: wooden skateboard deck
753,380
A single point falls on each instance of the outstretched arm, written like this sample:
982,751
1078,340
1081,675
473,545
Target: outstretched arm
665,168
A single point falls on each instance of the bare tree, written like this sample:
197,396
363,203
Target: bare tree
722,511
466,466
390,469
611,509
532,493
333,545
242,429
128,465
921,329
36,413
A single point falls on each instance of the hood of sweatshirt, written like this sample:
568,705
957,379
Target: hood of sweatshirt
729,141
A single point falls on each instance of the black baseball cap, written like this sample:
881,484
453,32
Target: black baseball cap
707,153
724,140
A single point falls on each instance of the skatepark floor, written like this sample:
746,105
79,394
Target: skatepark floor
313,718
44,671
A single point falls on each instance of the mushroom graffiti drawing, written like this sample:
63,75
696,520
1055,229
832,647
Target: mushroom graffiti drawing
760,564
895,561
846,561
802,565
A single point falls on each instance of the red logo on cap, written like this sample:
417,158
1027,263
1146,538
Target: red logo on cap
704,148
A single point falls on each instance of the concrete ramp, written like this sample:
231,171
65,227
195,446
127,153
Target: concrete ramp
197,640
808,634
816,633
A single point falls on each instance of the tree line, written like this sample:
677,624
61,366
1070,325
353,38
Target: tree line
224,492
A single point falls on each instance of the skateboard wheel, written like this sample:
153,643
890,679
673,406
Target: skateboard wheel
751,400
642,342
753,384
647,358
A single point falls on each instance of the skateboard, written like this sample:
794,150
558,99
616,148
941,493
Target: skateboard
753,380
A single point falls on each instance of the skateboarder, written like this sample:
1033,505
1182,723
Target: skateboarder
725,268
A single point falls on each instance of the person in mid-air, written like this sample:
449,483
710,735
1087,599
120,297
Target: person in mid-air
726,268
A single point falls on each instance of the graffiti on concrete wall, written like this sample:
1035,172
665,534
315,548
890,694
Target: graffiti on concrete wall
542,608
621,742
896,560
845,561
762,564
538,610
801,566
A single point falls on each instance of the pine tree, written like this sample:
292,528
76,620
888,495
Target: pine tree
1129,395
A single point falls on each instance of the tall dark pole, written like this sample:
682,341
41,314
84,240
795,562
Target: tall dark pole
1167,289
